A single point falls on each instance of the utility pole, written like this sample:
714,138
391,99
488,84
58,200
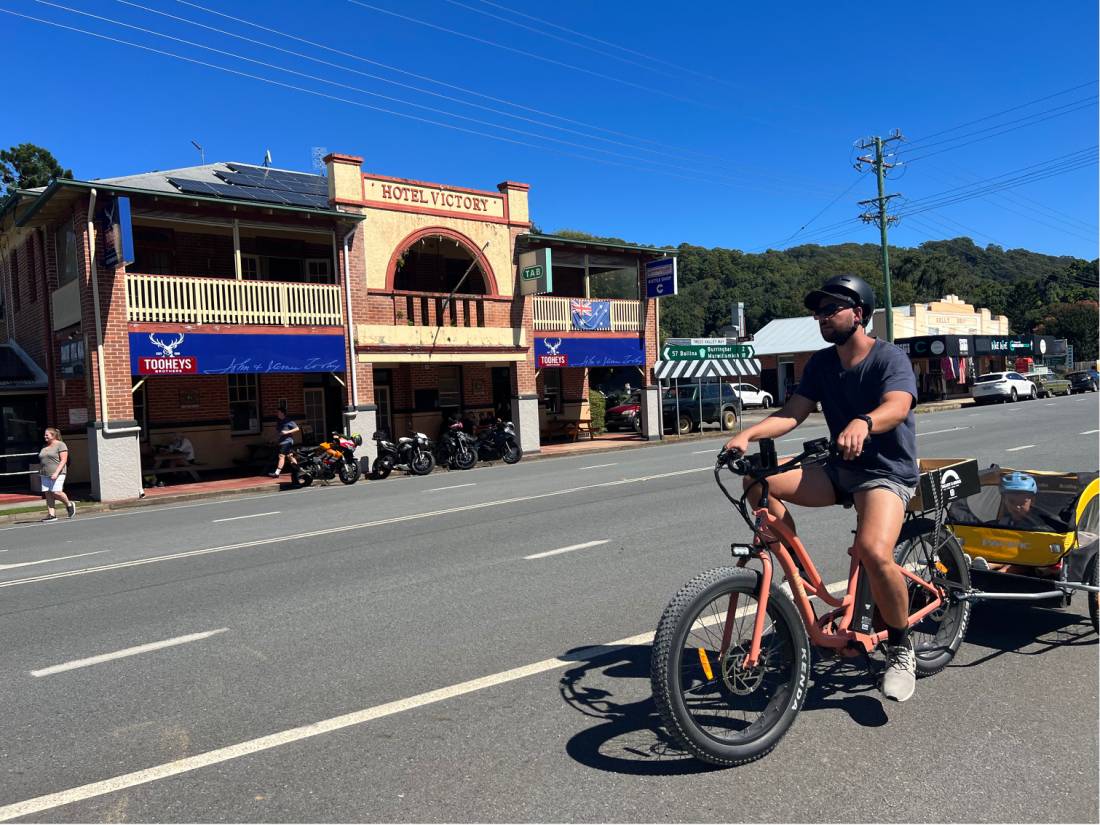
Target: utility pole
879,215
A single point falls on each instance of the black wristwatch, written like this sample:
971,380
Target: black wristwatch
867,419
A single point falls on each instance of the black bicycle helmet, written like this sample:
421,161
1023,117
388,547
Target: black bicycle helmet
849,288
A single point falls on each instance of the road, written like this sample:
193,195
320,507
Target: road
415,650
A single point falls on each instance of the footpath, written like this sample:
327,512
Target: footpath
29,508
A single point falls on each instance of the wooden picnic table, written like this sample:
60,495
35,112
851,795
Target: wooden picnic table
173,463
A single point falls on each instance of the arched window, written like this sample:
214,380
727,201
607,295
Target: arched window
437,263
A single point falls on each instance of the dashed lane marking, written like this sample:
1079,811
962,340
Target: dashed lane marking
122,654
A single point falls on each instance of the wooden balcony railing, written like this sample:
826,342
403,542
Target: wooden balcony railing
552,313
431,309
178,299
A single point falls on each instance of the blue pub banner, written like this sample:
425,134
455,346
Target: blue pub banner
189,353
589,352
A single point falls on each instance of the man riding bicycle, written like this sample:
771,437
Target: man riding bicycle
867,392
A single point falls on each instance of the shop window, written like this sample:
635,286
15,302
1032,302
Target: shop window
65,249
450,386
244,404
551,390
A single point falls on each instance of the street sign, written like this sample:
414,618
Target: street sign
536,272
660,278
702,352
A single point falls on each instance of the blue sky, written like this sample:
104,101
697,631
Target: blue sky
718,124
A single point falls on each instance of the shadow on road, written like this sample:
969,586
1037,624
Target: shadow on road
1025,630
627,736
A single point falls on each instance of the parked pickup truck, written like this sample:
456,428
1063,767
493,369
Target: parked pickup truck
720,407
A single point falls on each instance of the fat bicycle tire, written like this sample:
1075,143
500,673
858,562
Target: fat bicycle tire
786,662
937,637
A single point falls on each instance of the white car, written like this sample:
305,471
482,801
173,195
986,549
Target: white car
1001,386
752,396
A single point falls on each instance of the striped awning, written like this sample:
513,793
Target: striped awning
711,367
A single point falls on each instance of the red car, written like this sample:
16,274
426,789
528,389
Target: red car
625,416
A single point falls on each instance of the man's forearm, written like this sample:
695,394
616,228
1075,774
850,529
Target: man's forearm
773,426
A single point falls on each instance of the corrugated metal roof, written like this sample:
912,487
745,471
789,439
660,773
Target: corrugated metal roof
791,335
158,181
788,335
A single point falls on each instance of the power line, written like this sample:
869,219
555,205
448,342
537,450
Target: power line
827,207
1077,105
608,43
1021,199
544,33
1007,185
388,98
637,138
1002,112
356,103
534,55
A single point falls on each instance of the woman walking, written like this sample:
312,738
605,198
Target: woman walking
53,460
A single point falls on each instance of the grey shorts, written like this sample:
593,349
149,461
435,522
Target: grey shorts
847,482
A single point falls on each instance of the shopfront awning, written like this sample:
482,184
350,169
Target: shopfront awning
707,368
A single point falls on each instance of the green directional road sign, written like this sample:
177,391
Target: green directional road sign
692,352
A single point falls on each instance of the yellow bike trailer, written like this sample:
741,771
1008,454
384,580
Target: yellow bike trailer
1044,551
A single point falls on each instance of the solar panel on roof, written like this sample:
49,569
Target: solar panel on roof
254,192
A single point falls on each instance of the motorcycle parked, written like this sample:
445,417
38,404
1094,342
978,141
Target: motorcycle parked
498,440
330,459
412,454
456,448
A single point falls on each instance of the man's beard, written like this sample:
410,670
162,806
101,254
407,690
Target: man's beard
839,337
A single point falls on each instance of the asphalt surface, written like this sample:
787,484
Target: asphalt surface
450,678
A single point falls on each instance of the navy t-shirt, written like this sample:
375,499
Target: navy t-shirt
285,436
847,393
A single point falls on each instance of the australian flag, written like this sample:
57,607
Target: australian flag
589,314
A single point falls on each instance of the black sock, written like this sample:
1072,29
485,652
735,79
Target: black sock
897,635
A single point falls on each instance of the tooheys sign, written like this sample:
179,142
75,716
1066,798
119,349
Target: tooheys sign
167,362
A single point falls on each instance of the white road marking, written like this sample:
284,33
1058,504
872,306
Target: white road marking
130,780
47,561
1016,449
254,515
698,452
346,528
1089,432
597,466
937,432
452,487
122,654
1049,404
568,549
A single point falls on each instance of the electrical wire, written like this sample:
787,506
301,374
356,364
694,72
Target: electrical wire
1002,112
391,99
827,207
535,56
356,103
1091,102
608,43
679,150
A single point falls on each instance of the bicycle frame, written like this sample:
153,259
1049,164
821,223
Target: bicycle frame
832,630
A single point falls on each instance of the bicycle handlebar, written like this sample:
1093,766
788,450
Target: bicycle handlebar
765,464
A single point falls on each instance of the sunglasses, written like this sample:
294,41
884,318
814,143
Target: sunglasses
829,310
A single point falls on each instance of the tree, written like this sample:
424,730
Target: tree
1077,323
26,166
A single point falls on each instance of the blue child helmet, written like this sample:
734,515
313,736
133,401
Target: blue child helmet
1019,483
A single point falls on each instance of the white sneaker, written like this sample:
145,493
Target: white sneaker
900,679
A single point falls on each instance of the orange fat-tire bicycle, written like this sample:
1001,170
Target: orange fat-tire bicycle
731,656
